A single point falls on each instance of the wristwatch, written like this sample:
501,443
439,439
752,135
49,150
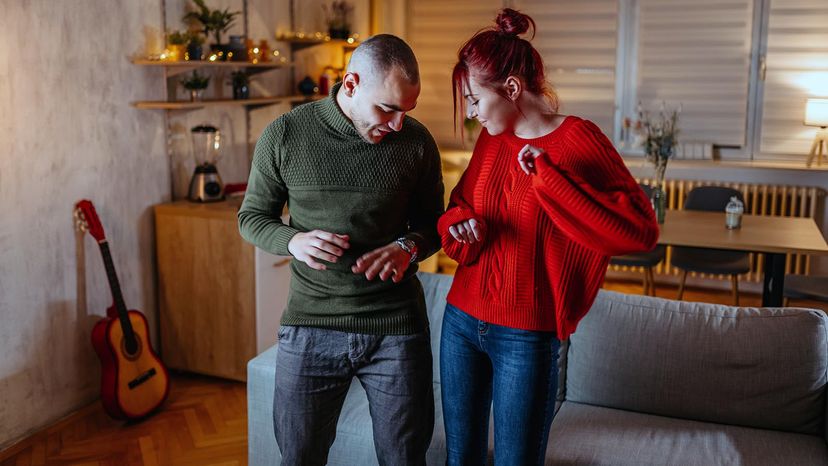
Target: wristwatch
408,246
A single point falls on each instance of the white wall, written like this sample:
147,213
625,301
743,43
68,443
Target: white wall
67,132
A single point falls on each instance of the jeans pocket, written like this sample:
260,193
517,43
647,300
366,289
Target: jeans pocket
284,331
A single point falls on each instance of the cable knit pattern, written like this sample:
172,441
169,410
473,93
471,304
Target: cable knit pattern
549,236
313,159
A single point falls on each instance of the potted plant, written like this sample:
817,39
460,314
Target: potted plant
176,42
240,80
215,21
339,26
196,83
195,51
659,137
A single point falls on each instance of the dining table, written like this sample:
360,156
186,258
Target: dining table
774,236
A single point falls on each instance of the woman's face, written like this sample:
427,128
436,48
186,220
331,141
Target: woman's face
494,112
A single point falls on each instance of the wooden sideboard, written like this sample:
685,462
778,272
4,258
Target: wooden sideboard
220,298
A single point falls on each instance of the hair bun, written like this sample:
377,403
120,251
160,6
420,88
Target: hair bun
512,22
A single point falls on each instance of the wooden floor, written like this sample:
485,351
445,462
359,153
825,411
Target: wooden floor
204,422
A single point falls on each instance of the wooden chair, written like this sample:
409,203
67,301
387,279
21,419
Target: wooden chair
711,261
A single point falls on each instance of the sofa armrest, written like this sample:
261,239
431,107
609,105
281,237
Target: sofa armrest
261,378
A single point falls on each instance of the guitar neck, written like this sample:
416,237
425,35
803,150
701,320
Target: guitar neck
115,288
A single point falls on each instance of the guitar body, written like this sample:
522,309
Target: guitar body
132,385
134,382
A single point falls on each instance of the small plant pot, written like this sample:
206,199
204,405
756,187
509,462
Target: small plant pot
307,86
241,91
195,52
220,50
339,33
196,95
176,52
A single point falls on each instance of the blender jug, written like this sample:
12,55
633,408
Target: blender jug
206,185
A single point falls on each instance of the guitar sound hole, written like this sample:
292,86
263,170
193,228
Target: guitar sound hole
138,346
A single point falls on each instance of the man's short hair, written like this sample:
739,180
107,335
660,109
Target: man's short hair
383,52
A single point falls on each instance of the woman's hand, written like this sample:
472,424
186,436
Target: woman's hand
468,231
526,158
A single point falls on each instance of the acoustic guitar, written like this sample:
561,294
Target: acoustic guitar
134,382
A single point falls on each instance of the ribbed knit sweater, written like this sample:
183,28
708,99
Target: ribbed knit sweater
548,235
315,160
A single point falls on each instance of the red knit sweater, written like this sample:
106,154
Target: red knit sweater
549,235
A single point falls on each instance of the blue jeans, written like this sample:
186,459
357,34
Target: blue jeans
314,368
514,372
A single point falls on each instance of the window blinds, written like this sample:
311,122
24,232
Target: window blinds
697,54
436,31
797,68
577,40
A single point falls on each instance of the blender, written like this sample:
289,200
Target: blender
206,185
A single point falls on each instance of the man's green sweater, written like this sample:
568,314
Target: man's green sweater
313,159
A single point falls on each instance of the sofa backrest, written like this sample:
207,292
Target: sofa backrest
756,367
435,287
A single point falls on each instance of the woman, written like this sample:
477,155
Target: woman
545,201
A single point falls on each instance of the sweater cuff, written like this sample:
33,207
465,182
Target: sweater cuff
281,238
452,216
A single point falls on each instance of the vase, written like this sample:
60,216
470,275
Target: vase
236,50
659,201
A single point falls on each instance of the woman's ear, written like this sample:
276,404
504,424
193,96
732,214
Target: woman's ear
349,83
513,88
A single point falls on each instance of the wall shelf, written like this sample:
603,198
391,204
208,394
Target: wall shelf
252,102
297,43
175,68
210,64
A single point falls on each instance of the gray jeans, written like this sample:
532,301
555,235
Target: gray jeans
314,368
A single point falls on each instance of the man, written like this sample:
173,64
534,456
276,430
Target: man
363,184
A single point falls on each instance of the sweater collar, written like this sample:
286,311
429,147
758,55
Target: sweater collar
517,141
330,113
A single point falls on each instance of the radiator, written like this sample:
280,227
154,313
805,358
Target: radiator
760,199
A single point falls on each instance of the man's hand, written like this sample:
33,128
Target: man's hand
318,244
526,158
468,231
387,261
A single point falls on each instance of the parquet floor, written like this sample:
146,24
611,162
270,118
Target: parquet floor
204,422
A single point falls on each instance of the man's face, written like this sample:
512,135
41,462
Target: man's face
380,104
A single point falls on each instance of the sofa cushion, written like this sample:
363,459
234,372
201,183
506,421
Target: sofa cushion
584,434
755,367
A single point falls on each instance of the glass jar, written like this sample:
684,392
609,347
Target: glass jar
733,213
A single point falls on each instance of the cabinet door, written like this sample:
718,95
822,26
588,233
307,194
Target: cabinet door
206,290
272,287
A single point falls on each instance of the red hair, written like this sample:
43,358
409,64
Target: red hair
495,53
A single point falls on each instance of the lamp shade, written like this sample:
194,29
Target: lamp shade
816,112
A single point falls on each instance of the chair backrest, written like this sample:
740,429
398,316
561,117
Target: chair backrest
648,190
711,198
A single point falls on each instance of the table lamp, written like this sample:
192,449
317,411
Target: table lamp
816,114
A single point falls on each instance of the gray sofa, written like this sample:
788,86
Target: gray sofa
643,381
